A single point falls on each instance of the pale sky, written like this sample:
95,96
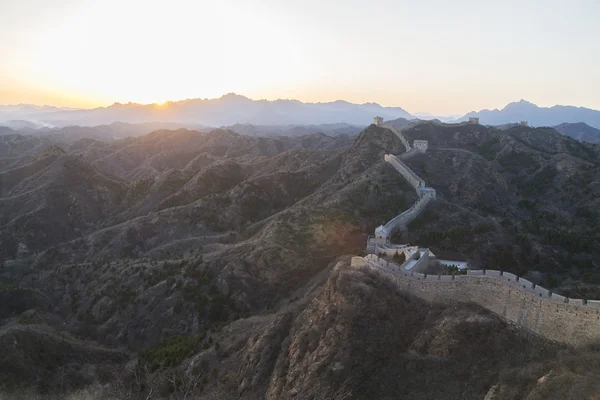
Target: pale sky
437,56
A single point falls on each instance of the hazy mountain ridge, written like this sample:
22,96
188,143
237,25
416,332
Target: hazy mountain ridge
122,130
113,131
261,118
226,110
579,131
297,130
535,115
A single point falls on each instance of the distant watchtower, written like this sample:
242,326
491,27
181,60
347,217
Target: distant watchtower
474,120
378,121
523,123
382,236
421,145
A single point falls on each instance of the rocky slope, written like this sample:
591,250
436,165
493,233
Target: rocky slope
210,256
579,131
317,346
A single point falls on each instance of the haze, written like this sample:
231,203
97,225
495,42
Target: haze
436,56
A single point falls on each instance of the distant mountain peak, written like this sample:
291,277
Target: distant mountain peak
520,105
579,131
535,115
229,109
233,96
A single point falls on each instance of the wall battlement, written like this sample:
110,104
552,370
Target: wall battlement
425,193
408,174
421,145
402,220
573,322
521,302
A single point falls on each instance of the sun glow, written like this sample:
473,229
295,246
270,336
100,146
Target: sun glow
83,53
134,61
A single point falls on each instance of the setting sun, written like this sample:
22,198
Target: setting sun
147,52
299,200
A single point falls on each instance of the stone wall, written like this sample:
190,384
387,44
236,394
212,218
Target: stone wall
399,222
408,174
399,135
409,154
421,145
423,262
570,321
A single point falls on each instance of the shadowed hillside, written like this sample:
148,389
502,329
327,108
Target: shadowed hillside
524,200
209,256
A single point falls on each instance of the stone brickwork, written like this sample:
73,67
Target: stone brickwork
407,173
422,263
535,309
409,154
421,145
570,321
401,221
383,234
425,193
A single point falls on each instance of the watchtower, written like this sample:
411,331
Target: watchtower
421,145
382,236
378,121
474,120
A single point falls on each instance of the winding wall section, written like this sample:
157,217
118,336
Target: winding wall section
570,321
535,309
426,194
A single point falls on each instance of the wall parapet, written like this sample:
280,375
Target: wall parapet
517,300
403,219
405,171
425,195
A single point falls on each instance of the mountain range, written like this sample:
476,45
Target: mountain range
536,116
233,109
579,131
226,110
218,262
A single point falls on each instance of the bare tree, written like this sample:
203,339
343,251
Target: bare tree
216,392
141,382
320,391
184,386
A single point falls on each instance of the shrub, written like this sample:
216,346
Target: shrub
171,352
399,258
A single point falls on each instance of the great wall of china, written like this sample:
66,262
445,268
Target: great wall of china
532,308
